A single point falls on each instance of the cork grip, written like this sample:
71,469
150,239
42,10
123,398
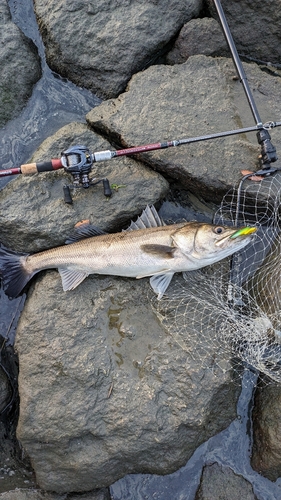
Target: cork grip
29,168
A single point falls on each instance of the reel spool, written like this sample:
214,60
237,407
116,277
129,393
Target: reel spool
78,161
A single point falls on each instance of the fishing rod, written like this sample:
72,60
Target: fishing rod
78,160
78,156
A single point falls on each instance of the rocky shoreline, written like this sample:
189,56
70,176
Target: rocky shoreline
104,390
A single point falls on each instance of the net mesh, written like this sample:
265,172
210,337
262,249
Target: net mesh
228,315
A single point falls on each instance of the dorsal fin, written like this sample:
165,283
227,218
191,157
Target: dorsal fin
148,218
84,231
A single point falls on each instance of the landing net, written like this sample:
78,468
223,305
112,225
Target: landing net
228,315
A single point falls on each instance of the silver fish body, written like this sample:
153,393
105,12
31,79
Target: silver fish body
146,249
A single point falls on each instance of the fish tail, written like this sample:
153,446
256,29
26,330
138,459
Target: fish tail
12,271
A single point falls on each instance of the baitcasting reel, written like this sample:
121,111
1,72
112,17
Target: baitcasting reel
78,162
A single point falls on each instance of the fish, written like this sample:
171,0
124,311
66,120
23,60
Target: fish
147,248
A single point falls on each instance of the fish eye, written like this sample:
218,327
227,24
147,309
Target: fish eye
218,230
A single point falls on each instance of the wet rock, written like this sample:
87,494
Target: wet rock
35,494
102,494
100,45
254,27
106,391
266,457
199,97
192,41
30,494
15,471
41,219
19,66
221,482
5,390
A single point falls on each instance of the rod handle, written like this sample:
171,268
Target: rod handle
28,168
45,166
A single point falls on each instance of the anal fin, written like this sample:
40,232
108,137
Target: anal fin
71,279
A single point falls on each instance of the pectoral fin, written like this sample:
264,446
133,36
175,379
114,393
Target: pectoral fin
71,279
160,283
161,251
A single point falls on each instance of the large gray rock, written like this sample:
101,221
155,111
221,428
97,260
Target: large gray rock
219,482
255,27
29,494
99,45
266,458
193,39
35,494
19,66
196,98
106,391
34,215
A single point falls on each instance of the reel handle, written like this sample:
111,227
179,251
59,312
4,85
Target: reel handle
106,188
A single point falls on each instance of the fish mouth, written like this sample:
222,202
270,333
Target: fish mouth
242,231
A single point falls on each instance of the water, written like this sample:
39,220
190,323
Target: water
231,448
54,103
